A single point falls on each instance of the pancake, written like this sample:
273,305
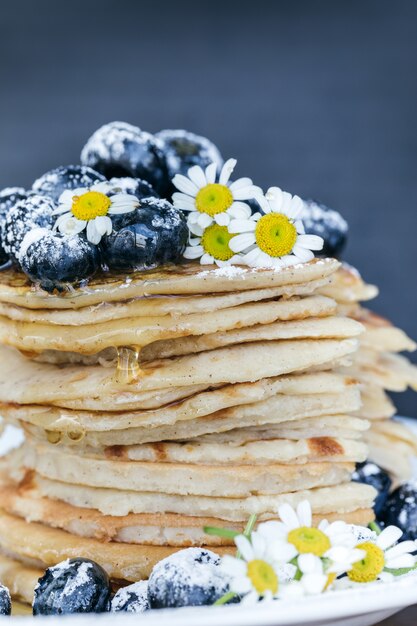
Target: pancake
375,403
26,382
275,410
348,287
177,478
147,529
141,331
198,405
148,306
381,335
186,279
311,328
393,446
20,579
49,546
389,371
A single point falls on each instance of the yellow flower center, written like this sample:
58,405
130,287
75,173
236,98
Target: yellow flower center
370,567
262,577
214,199
215,241
275,234
309,540
90,205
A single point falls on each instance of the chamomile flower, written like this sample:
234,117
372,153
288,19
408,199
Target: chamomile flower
256,574
210,200
276,237
382,554
89,209
212,247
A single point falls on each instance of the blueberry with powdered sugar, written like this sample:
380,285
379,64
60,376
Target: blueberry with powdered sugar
73,586
131,599
133,186
8,198
327,223
118,149
54,182
190,577
53,260
183,149
371,474
401,510
35,211
153,234
5,601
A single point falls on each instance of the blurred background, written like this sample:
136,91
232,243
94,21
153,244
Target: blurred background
316,96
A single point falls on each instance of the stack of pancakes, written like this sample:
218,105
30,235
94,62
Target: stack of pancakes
379,367
155,405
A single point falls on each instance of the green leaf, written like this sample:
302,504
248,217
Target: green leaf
226,598
228,533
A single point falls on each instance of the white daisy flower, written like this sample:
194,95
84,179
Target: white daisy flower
89,208
276,237
384,553
256,574
212,247
208,200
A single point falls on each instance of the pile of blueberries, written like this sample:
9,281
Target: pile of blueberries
190,577
133,162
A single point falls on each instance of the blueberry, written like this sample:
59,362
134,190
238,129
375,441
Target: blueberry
153,234
73,586
327,223
183,149
8,198
190,577
54,260
54,182
401,510
118,149
35,211
134,186
132,599
371,474
5,601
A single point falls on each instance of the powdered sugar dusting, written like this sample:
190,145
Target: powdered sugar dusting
132,599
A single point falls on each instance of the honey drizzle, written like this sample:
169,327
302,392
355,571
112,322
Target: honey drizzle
128,368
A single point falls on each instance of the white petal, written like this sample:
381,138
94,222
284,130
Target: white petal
245,548
239,210
197,176
281,551
184,184
404,560
312,242
204,220
67,196
227,170
241,584
195,229
242,226
304,513
386,577
207,259
69,225
303,254
250,599
400,548
124,198
389,536
104,225
264,204
181,199
299,226
274,196
288,516
193,252
222,219
308,564
250,258
103,187
239,183
314,583
233,566
295,208
62,208
93,235
258,544
247,193
211,171
241,242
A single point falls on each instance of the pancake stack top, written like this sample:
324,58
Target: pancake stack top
233,407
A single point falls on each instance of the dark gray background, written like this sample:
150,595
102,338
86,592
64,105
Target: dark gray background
318,97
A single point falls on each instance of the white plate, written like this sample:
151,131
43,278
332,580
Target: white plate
362,606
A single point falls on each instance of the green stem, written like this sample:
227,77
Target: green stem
221,532
375,527
248,530
226,598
